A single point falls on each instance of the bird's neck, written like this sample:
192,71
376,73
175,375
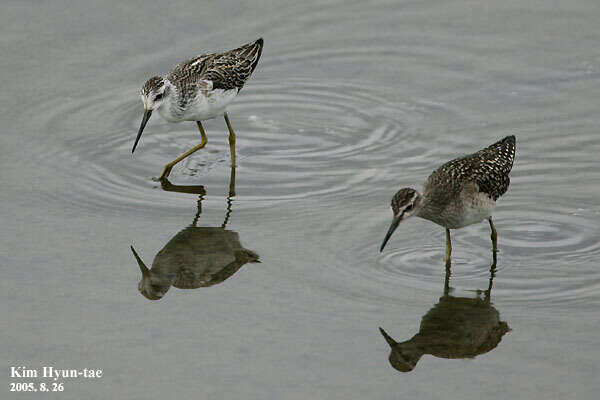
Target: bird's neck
171,109
427,209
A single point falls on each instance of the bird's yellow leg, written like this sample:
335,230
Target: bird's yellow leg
167,169
448,247
231,139
494,236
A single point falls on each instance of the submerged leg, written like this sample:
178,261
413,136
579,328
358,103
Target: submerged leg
167,169
231,139
494,236
232,182
230,197
447,280
448,248
491,281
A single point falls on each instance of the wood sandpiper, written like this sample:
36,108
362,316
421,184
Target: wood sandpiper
459,193
199,89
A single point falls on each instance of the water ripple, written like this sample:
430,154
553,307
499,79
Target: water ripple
301,139
531,236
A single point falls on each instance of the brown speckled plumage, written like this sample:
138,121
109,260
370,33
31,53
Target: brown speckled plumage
488,168
229,70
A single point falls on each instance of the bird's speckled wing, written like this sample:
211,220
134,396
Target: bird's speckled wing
229,70
489,168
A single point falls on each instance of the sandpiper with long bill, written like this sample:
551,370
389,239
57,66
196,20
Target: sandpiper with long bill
199,89
459,193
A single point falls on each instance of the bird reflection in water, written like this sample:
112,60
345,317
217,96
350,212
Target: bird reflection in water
456,327
198,256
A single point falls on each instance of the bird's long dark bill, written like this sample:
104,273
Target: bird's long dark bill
143,268
147,115
387,337
393,227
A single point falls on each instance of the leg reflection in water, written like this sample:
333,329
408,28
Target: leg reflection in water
455,327
197,256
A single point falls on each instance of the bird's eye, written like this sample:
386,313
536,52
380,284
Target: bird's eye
158,96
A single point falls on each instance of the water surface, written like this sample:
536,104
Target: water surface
350,101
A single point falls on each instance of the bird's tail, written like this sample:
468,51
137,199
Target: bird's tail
250,52
505,150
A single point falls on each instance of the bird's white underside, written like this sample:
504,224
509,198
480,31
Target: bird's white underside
479,208
206,105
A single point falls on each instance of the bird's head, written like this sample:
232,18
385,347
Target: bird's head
405,204
403,356
151,286
153,95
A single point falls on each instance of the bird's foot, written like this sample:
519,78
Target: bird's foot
164,174
164,184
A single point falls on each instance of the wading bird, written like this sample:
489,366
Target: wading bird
199,89
459,193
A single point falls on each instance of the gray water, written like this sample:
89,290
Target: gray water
350,102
